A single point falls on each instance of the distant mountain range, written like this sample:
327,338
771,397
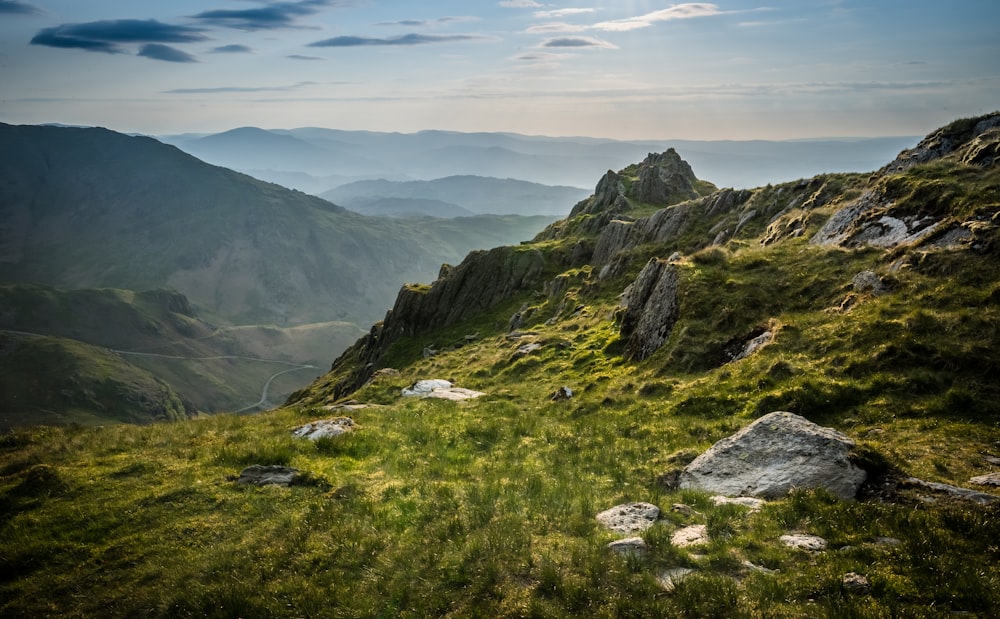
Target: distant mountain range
316,160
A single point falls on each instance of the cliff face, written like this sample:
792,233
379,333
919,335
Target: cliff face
649,230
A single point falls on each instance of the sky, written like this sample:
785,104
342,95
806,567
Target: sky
623,69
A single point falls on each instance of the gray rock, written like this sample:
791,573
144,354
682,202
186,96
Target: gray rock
990,479
439,389
694,535
629,546
750,502
629,517
869,282
652,309
670,578
856,583
755,344
324,428
773,455
527,349
259,475
954,491
801,541
562,393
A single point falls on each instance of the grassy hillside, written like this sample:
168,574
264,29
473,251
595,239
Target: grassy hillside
487,507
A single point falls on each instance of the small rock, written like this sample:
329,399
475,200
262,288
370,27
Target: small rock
888,541
753,567
681,508
992,459
527,349
693,535
562,393
856,584
802,541
324,428
629,546
423,387
629,517
429,352
455,394
259,475
441,390
746,501
870,282
670,578
954,491
990,479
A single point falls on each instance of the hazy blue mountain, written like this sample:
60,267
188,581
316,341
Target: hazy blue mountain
573,161
474,194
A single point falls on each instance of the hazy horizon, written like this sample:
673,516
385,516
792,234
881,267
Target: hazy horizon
633,70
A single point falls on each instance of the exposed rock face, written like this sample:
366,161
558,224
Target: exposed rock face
972,136
773,455
439,389
652,309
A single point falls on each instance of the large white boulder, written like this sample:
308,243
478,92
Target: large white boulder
773,455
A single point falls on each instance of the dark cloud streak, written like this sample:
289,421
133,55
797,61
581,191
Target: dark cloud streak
104,36
406,39
158,51
12,7
272,16
232,49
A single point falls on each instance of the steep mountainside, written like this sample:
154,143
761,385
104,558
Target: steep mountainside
86,208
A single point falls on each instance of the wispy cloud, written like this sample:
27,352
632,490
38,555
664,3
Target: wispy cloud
578,42
159,51
232,49
303,57
406,39
106,36
553,27
271,16
237,89
12,7
520,4
557,13
678,11
417,23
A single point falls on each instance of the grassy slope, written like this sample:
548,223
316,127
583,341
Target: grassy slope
487,507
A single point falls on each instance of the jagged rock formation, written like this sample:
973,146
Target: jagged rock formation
889,214
773,455
651,310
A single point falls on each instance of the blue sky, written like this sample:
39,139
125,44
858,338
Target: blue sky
628,69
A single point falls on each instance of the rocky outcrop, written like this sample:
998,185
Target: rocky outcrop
483,280
773,455
324,428
260,475
975,139
652,308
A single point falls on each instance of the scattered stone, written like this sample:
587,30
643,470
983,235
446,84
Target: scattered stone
754,345
429,352
670,578
856,583
629,517
870,282
674,257
992,459
472,337
422,388
990,479
694,535
527,349
753,567
352,405
516,335
259,475
681,508
629,546
888,541
801,541
746,501
562,393
954,491
324,428
773,455
455,394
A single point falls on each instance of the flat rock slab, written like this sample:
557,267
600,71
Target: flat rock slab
324,428
629,546
802,541
439,389
990,479
954,491
694,535
629,517
773,455
259,475
669,579
754,504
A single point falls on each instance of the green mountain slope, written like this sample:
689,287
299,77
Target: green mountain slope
872,303
90,208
